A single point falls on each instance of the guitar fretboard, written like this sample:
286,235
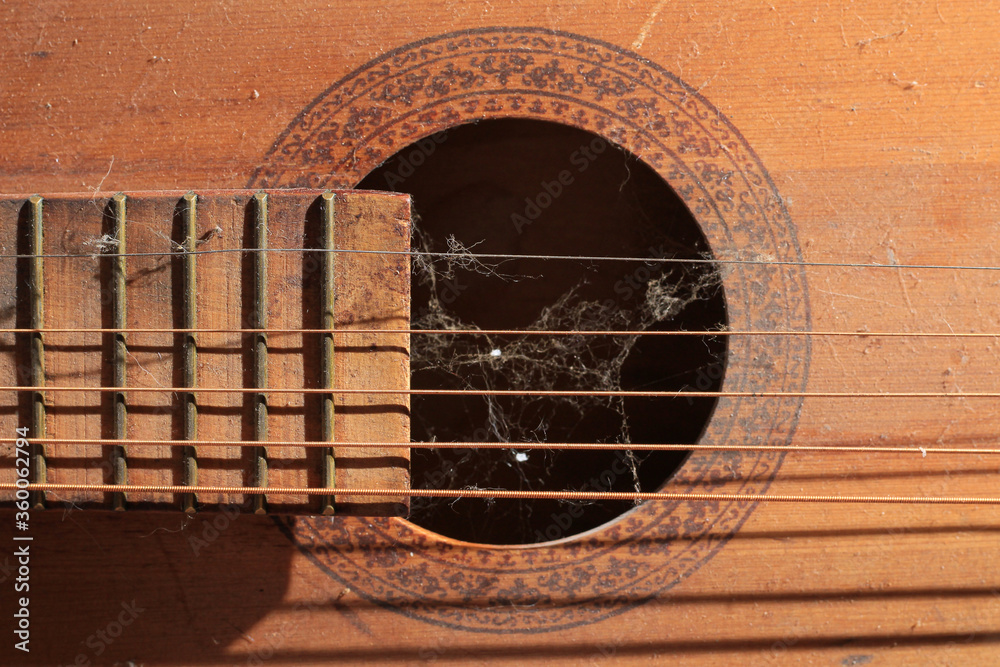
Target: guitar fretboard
175,339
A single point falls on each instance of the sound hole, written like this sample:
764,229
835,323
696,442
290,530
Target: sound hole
529,187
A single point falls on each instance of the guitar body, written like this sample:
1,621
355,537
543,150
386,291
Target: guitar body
799,134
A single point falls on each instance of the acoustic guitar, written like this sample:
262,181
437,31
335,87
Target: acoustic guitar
574,333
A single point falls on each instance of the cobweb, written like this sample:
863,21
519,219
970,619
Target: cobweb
531,362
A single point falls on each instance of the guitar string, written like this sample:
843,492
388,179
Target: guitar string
508,256
476,256
513,392
506,494
561,495
306,444
514,332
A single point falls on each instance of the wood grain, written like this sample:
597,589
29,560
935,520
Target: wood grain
877,124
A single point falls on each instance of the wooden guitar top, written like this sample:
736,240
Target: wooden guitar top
844,157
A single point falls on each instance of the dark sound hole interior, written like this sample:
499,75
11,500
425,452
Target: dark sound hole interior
530,187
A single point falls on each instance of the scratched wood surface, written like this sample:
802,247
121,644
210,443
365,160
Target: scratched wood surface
877,124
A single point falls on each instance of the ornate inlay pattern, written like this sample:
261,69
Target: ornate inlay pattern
436,83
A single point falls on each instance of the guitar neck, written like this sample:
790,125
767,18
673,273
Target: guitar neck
171,340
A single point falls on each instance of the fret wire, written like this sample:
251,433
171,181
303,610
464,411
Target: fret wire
526,392
119,461
578,258
505,494
328,470
189,456
36,286
855,449
519,332
258,455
